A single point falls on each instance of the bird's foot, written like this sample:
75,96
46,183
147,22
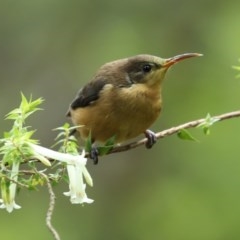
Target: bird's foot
151,138
94,154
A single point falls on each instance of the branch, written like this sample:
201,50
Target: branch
173,130
50,208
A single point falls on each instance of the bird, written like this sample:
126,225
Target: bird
122,100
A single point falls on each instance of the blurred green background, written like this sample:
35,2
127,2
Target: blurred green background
179,190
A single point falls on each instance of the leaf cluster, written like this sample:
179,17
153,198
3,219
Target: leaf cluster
205,126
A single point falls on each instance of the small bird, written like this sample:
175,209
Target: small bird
122,100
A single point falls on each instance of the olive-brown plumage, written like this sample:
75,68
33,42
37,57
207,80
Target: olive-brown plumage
123,99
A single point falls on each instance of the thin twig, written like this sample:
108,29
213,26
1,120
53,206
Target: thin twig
16,182
173,130
50,208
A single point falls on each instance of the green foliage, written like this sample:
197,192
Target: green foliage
186,135
88,143
209,121
103,150
19,150
205,125
68,143
14,145
25,110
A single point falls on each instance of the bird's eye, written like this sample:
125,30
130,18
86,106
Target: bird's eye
146,68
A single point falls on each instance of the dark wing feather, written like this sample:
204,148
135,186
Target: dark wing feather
87,94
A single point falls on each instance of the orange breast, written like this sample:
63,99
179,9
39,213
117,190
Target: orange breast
121,112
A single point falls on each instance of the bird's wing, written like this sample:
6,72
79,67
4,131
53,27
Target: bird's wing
87,94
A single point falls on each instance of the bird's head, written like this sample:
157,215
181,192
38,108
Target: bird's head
150,70
140,69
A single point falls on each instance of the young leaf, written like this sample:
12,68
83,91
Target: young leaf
103,150
185,135
209,121
88,143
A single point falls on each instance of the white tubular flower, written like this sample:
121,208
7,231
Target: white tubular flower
9,192
76,167
77,187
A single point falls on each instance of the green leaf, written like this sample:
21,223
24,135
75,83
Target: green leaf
103,150
206,130
14,114
65,127
24,102
208,122
60,135
88,143
110,141
29,107
185,135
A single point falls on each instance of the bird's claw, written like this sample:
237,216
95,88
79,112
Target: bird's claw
151,138
94,155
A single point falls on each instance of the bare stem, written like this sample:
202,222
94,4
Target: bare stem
50,208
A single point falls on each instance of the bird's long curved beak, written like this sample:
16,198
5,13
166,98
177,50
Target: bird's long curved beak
170,61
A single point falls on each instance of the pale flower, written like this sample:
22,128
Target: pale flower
76,168
9,192
76,185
